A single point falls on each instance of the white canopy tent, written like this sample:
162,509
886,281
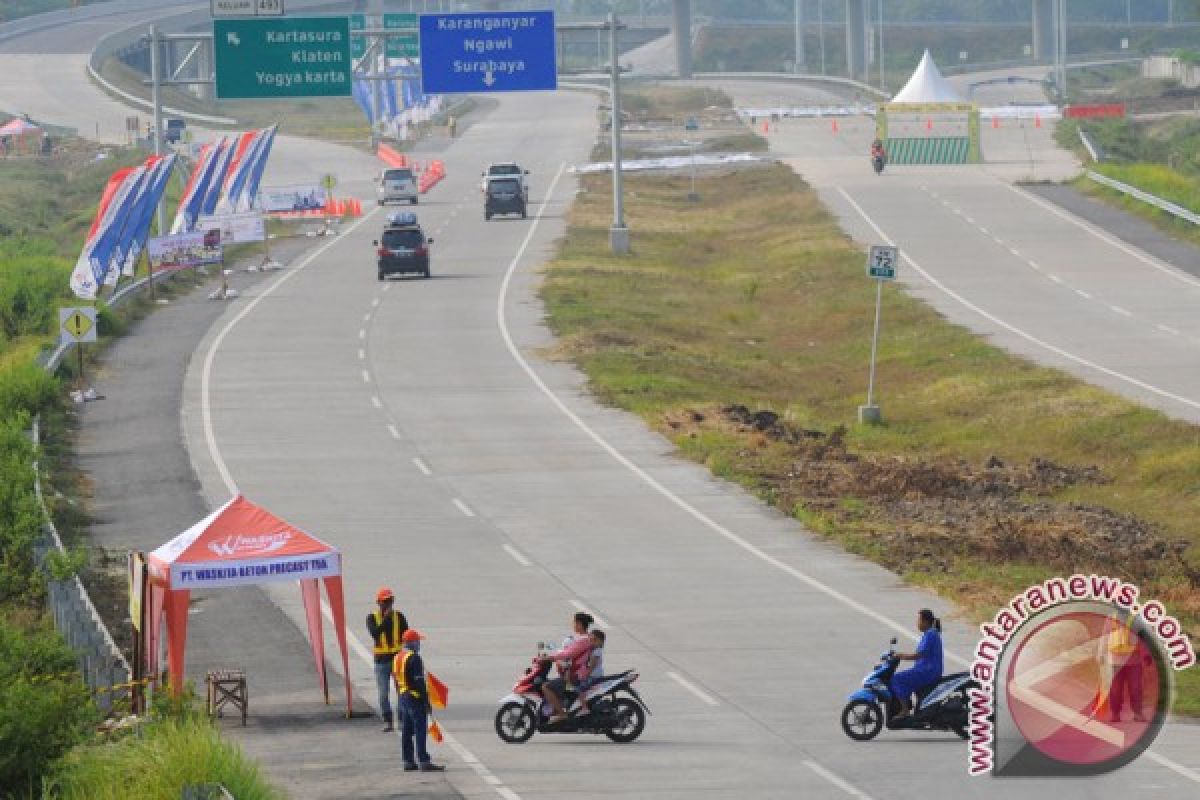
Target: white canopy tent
928,85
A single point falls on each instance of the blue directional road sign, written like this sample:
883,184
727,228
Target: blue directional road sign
496,51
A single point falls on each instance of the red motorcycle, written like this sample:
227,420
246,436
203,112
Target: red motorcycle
615,709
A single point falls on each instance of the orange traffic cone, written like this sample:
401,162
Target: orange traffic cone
766,127
835,126
929,124
1037,120
995,122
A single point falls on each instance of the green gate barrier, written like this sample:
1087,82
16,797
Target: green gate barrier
929,150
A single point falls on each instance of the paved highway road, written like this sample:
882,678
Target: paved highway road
1000,260
415,425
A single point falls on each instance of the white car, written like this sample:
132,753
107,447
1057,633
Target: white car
505,169
397,184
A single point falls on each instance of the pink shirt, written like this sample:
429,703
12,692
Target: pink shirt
577,653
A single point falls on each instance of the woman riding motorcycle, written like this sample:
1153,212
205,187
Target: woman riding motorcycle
928,669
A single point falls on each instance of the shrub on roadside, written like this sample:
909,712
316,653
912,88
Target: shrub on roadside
44,708
166,755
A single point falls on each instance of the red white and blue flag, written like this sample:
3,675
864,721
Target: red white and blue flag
192,201
93,261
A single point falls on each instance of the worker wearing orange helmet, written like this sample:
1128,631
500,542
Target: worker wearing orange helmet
414,705
387,628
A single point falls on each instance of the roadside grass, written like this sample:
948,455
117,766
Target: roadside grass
159,760
15,9
1162,158
332,119
755,297
46,207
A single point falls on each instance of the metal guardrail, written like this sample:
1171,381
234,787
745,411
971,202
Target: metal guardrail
75,615
1092,148
1145,197
792,77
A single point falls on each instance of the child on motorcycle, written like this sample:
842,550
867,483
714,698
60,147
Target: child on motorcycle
595,666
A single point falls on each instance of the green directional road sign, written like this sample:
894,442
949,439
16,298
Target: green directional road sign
283,57
402,45
407,44
358,44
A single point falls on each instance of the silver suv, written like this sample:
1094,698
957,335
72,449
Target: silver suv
397,184
506,169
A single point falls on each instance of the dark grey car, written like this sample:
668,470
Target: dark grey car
503,196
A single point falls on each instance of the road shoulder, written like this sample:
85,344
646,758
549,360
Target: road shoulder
1121,224
145,491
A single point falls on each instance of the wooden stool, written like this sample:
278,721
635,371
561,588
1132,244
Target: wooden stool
227,686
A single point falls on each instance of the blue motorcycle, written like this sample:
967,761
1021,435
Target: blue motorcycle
943,706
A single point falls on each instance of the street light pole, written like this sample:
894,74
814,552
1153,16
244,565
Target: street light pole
798,13
618,235
882,84
821,31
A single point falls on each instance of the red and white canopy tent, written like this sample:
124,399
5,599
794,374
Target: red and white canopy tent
241,544
17,132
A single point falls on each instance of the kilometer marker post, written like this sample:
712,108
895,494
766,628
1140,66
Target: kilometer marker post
881,266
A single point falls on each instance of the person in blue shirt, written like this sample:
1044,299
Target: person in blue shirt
928,656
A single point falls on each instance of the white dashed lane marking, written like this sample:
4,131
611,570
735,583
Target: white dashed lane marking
704,696
463,507
421,465
517,555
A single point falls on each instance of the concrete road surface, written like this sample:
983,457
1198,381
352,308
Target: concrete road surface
1001,260
415,424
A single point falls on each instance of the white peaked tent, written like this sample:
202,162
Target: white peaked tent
927,85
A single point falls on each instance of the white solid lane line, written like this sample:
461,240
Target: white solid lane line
704,696
463,507
420,464
214,449
1157,758
650,480
1166,269
517,555
1112,373
210,437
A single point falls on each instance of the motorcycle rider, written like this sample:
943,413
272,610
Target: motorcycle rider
928,669
574,653
878,151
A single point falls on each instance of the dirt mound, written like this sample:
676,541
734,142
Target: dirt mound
926,512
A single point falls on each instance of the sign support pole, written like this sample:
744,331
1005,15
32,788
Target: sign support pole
875,343
79,352
156,99
881,266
